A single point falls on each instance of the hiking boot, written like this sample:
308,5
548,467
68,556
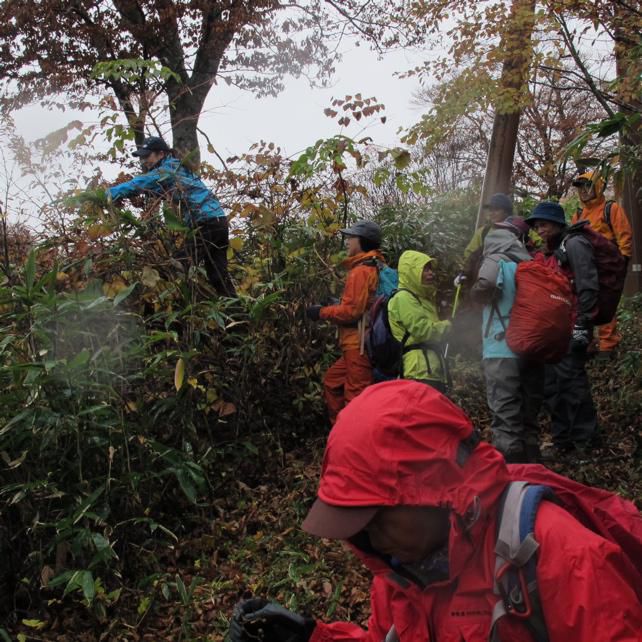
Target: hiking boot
552,454
582,453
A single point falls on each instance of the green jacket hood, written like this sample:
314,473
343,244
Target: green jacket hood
411,265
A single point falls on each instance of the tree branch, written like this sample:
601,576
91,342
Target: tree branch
568,39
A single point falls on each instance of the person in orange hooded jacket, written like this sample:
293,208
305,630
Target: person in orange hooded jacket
615,226
352,372
407,483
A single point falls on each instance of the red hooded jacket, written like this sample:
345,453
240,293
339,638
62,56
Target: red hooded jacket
402,442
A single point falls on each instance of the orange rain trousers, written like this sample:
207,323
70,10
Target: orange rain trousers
346,378
608,336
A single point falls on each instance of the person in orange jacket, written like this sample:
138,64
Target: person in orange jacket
352,372
609,219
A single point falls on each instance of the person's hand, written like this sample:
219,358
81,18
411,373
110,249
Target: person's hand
332,300
257,619
581,338
313,312
459,280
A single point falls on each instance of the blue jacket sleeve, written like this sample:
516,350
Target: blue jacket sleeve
155,181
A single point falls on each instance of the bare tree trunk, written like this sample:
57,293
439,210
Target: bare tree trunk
516,43
184,115
628,68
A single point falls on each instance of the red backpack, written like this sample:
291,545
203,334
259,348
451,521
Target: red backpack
602,512
541,320
611,269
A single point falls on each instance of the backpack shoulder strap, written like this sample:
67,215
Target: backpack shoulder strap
516,559
494,312
405,290
372,261
608,206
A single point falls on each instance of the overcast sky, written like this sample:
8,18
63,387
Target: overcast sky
234,120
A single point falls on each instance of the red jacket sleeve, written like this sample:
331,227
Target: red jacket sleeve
583,582
379,623
361,283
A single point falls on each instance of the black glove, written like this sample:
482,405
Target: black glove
313,312
258,619
582,337
332,300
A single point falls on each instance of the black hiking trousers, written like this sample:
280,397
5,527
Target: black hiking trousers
570,402
209,245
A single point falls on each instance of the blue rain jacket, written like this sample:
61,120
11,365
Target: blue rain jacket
169,178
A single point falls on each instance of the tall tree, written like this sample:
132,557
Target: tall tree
178,49
582,40
513,84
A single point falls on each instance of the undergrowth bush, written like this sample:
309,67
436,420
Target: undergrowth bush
125,380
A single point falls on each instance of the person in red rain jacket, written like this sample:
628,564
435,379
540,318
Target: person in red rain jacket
352,372
407,483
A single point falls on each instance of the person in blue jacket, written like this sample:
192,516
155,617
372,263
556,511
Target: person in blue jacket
514,385
166,176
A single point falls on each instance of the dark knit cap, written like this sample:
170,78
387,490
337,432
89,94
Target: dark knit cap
500,202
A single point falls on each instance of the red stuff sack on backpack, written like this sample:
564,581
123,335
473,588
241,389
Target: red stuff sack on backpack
541,321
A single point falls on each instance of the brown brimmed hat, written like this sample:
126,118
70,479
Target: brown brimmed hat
337,522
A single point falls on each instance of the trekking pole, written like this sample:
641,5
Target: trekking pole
452,315
457,291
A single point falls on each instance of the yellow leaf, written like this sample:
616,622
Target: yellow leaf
179,374
211,395
95,232
236,243
110,290
61,278
150,277
34,624
193,381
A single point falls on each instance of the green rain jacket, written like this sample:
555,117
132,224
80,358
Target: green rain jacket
415,312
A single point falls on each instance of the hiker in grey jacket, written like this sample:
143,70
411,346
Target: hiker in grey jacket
514,385
568,390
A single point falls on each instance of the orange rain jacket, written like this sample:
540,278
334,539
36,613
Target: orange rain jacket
358,295
620,230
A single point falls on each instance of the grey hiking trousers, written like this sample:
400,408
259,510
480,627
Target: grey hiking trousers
514,391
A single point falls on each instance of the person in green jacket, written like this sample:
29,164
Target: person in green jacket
413,318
